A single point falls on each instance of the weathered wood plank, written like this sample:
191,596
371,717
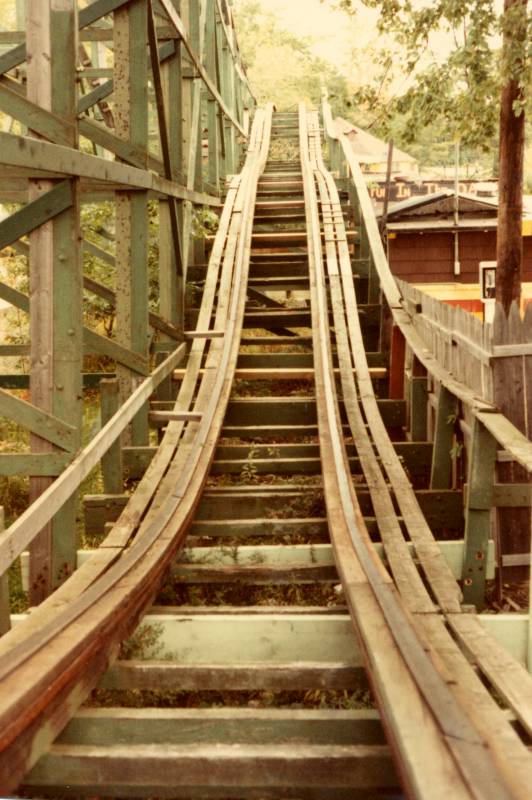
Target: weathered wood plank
481,469
19,151
55,292
231,768
167,676
37,421
131,726
22,531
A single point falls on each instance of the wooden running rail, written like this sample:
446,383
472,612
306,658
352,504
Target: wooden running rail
421,679
51,661
506,434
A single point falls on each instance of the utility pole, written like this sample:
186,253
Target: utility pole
511,157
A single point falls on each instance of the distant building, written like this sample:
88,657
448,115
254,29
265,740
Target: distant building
422,240
372,153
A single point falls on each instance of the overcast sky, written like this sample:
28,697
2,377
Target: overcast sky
334,40
311,18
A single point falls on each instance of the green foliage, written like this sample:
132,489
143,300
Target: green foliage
280,65
204,223
457,91
143,643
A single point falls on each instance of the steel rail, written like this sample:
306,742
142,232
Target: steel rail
457,760
47,674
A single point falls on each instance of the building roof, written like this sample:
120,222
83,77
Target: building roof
442,225
368,148
441,202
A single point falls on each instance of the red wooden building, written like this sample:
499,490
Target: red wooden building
423,241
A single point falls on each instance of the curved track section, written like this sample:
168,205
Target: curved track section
49,663
421,679
424,657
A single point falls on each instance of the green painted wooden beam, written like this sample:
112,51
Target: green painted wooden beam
15,105
98,726
441,469
96,10
37,421
112,460
37,212
35,464
482,454
93,342
20,151
21,380
418,408
131,220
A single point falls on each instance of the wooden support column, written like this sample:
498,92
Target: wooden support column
196,33
171,287
5,605
374,289
239,113
418,404
397,364
112,472
481,468
170,283
442,462
225,89
222,145
131,105
186,102
232,104
212,112
512,394
55,284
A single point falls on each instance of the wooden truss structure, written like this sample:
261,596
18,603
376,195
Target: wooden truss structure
137,110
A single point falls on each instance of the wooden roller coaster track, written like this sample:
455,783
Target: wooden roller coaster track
281,461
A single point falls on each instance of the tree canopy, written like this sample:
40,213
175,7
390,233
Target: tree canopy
281,66
447,55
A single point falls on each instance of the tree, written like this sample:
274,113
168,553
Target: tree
511,156
462,86
281,66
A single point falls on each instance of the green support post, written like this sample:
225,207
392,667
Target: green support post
212,121
225,91
131,106
442,462
171,290
193,17
5,606
418,405
482,457
231,82
112,472
55,287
